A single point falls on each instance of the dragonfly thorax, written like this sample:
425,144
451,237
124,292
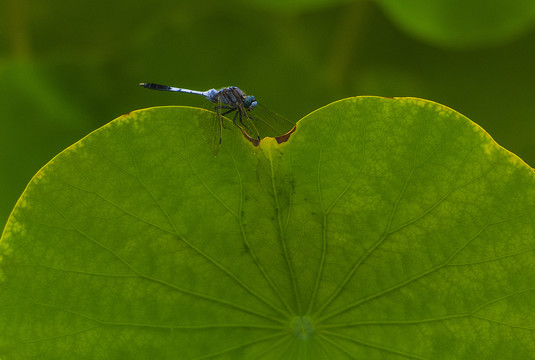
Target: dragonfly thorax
234,97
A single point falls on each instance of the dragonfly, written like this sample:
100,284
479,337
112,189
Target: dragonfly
255,120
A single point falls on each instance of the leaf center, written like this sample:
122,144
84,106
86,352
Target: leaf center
302,327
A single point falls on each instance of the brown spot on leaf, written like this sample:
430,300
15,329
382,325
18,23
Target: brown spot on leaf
280,139
285,137
254,141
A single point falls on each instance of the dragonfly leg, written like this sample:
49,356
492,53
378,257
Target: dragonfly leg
253,118
230,109
243,124
234,118
241,119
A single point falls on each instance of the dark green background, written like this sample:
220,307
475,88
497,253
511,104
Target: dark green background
68,67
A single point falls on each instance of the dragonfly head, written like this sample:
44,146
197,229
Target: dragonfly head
249,102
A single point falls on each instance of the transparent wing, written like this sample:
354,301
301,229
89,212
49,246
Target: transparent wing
268,123
211,128
246,124
257,124
236,115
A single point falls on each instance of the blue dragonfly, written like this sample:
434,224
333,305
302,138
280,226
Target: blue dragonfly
232,103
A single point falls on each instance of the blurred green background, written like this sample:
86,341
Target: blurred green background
69,67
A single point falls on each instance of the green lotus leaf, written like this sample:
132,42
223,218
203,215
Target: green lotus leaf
379,229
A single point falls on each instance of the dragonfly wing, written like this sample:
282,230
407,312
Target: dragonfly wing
239,117
211,128
269,123
249,125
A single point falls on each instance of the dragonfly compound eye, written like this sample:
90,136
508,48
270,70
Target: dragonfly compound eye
249,102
